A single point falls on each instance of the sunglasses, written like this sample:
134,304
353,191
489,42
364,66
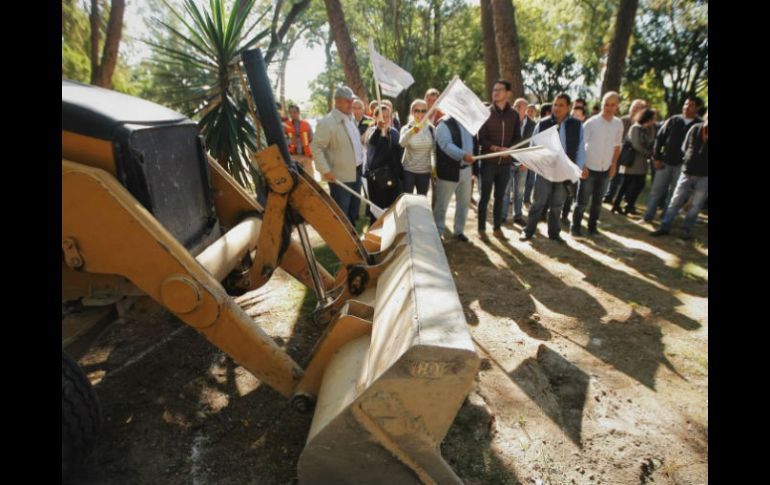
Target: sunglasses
421,111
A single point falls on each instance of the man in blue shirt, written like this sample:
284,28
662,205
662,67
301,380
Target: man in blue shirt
553,194
454,157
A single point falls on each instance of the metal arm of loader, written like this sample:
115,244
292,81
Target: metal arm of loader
294,198
115,235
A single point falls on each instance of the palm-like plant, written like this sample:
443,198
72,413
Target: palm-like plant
196,72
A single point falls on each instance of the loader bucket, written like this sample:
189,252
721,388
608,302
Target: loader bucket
388,399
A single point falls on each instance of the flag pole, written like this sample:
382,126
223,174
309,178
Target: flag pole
435,103
511,151
364,199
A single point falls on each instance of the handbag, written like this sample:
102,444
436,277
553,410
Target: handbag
627,154
382,179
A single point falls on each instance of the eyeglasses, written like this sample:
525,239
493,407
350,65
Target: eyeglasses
421,111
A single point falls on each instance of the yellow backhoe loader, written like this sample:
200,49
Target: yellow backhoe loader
145,211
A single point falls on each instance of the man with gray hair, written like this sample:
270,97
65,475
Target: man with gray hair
339,154
603,139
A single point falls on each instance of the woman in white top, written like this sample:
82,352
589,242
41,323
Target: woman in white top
419,149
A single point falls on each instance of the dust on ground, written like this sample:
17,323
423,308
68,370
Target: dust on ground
594,371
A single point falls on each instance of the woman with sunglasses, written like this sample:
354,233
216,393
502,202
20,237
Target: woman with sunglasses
417,138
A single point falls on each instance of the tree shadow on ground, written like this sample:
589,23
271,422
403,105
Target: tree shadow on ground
627,288
509,293
557,386
634,347
632,227
467,447
653,267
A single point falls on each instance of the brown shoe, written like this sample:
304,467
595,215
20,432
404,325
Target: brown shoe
498,233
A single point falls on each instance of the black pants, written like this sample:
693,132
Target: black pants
419,180
497,175
567,206
615,184
631,188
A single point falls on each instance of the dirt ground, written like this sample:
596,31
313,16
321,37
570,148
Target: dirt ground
594,371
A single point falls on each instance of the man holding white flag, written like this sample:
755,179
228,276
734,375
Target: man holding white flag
462,104
500,131
549,186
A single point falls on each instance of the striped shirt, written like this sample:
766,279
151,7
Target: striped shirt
419,149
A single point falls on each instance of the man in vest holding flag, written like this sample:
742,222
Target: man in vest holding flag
552,193
299,134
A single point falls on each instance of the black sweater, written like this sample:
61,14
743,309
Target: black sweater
668,142
696,152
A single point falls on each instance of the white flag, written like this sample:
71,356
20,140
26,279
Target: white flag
548,159
463,105
391,78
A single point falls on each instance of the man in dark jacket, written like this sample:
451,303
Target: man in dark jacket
499,132
667,153
516,185
548,193
694,178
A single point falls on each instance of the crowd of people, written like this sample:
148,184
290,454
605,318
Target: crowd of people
370,151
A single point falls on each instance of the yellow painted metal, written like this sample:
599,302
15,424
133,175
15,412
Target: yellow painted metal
72,256
81,284
116,235
274,168
225,253
355,320
320,211
88,151
233,203
270,238
180,294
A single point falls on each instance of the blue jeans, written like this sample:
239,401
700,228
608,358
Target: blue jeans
493,175
686,185
515,190
551,194
593,188
528,186
665,178
462,192
347,201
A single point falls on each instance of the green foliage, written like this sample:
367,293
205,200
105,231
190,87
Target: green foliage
76,48
545,78
195,71
76,63
433,40
671,49
568,38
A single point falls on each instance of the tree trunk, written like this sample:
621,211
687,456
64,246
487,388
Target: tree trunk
101,72
345,48
436,26
491,66
330,78
508,43
95,28
616,58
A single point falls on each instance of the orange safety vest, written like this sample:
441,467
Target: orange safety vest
304,133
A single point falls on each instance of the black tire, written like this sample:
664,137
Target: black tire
80,416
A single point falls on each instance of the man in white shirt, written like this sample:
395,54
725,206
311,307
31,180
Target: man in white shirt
603,139
339,154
